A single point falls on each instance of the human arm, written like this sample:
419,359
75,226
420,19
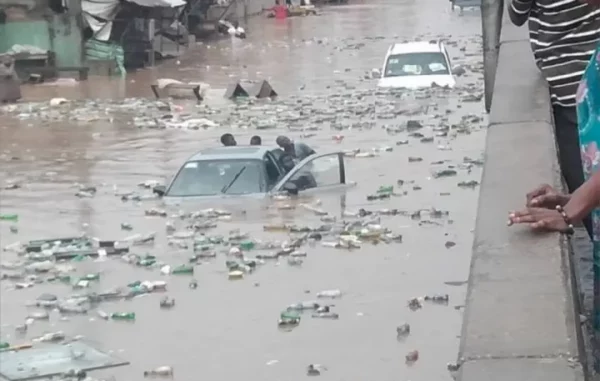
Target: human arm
307,151
585,199
580,204
545,196
518,11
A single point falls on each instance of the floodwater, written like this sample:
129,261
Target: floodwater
228,329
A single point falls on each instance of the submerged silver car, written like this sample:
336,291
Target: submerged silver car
252,170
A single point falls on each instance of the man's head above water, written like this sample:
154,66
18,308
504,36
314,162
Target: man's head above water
228,140
255,140
284,142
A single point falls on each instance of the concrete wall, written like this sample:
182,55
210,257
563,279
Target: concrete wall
58,33
520,322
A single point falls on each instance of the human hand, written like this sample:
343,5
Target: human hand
545,196
540,219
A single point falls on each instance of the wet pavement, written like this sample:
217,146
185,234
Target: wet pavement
226,329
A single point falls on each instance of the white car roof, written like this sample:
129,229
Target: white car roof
416,47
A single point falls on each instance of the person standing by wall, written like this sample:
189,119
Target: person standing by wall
548,209
563,37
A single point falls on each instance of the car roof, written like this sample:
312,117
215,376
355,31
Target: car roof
416,47
232,153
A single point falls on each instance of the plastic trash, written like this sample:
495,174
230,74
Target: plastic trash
329,294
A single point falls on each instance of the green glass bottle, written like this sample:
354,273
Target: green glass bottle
134,284
9,217
146,262
123,316
247,245
78,258
386,189
4,345
287,318
183,269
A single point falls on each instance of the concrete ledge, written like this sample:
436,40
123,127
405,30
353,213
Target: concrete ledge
520,369
520,322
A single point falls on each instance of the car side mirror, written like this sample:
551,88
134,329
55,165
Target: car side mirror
458,70
159,190
290,188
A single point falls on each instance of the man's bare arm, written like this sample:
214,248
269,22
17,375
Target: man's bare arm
518,11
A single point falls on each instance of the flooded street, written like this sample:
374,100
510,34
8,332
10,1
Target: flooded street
227,329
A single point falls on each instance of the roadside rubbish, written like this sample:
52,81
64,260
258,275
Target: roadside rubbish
329,294
315,369
167,302
309,305
326,315
437,298
236,274
161,371
415,304
453,366
403,330
130,316
9,217
289,318
444,173
468,184
412,357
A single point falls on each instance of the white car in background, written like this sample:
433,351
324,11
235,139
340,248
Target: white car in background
416,65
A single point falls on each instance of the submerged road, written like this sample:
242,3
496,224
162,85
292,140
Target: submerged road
226,330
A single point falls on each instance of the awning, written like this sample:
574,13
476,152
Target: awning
159,3
99,13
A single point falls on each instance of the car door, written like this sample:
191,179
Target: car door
273,172
316,172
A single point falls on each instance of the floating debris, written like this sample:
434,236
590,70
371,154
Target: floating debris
412,357
403,330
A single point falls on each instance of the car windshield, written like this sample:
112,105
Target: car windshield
212,177
399,65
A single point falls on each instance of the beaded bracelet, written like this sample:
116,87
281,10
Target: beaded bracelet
570,228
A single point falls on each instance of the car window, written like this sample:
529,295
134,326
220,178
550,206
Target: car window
212,177
431,63
321,171
273,174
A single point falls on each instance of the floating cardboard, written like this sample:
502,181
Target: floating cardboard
36,363
263,89
182,90
236,90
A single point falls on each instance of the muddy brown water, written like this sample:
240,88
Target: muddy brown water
228,329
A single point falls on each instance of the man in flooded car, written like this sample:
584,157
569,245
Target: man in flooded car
228,140
299,151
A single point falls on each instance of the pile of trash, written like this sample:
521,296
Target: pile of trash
358,109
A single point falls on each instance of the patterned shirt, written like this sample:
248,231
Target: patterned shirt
563,35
